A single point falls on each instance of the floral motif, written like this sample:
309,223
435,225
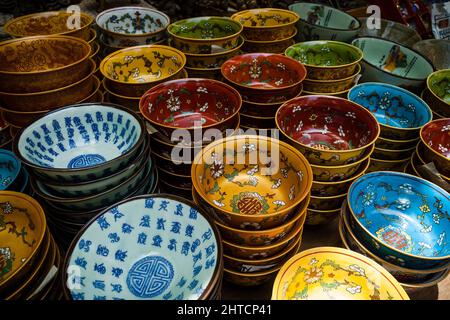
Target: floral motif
313,275
217,169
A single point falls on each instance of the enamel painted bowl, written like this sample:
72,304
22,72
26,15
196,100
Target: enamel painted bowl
388,154
418,159
401,218
271,46
191,104
387,165
437,50
132,26
332,86
163,247
385,143
438,84
249,279
324,23
266,183
42,63
400,113
132,71
80,142
436,138
327,203
210,73
320,217
267,23
205,35
257,122
326,60
389,62
327,130
10,168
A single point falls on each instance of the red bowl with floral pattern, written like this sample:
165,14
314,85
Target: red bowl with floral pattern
435,135
327,130
264,77
191,104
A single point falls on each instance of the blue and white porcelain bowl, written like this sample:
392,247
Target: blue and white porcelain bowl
81,142
400,113
149,247
402,219
9,169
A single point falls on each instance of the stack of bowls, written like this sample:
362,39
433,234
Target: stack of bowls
207,42
13,176
399,221
437,93
333,67
83,158
42,73
257,190
337,137
130,72
184,112
267,30
147,247
29,256
319,22
265,81
401,114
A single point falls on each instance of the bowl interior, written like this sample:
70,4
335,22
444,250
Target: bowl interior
263,71
79,137
327,123
439,84
436,135
205,28
394,58
9,168
265,17
150,247
392,106
403,212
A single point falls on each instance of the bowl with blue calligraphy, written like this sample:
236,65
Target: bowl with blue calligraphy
438,84
148,247
10,168
400,113
390,62
435,137
80,142
320,22
401,218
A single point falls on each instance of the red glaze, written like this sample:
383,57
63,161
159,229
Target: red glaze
436,135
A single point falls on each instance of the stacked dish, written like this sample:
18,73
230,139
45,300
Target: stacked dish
333,67
29,256
337,137
147,247
436,94
401,115
267,30
256,189
13,176
399,221
83,158
5,134
265,81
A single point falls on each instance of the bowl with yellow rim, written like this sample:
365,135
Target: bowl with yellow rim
387,165
271,46
385,143
207,73
332,86
340,94
389,154
420,159
320,217
435,138
438,84
92,38
327,203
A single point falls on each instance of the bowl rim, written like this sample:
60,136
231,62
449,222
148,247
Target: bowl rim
139,141
364,110
389,161
268,104
348,165
93,32
104,46
408,176
255,117
343,195
132,35
360,172
172,186
396,150
163,170
418,146
217,54
324,211
308,175
430,76
95,51
293,14
422,139
217,268
272,42
358,68
11,156
203,69
107,90
328,94
398,141
61,38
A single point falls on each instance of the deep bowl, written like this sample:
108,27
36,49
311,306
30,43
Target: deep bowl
388,154
324,23
437,50
271,46
10,168
387,165
332,86
164,240
436,138
438,84
327,130
418,159
257,122
320,217
401,218
327,203
98,140
385,143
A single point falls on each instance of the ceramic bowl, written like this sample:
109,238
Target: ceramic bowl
132,26
238,193
249,279
388,154
132,71
387,165
320,217
332,86
385,143
93,40
264,77
400,113
341,94
429,98
267,23
438,84
271,46
10,168
42,63
418,159
324,23
435,136
327,203
326,60
69,155
129,102
49,23
173,166
314,274
211,73
390,62
167,187
257,122
177,180
380,203
205,35
327,130
437,50
169,237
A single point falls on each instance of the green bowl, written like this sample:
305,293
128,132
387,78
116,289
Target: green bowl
438,84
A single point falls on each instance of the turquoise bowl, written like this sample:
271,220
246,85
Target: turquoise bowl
401,218
400,113
319,22
80,142
149,247
10,168
392,63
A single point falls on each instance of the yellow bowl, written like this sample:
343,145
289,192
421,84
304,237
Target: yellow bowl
340,94
92,38
257,189
391,144
389,154
328,273
332,86
387,165
320,217
271,46
326,203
